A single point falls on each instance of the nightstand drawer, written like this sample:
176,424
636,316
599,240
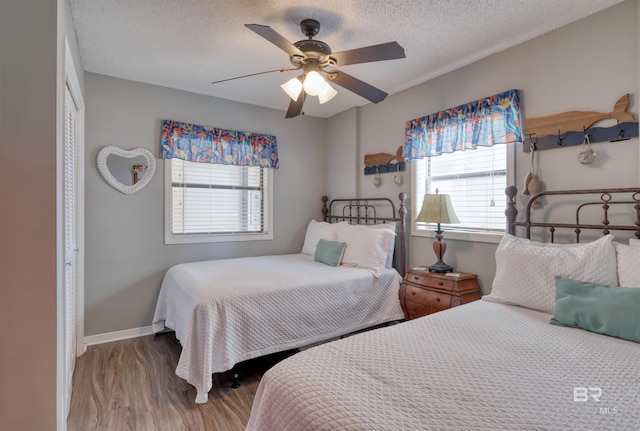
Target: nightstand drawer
414,310
434,300
423,292
429,281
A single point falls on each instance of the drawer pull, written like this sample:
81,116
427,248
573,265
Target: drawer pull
437,299
416,278
440,283
413,293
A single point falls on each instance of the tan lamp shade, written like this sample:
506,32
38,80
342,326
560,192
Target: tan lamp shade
437,209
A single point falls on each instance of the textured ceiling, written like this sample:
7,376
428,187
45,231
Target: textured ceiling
187,44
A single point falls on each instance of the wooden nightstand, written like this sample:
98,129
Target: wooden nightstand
423,292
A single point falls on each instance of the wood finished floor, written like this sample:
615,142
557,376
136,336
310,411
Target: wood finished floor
132,385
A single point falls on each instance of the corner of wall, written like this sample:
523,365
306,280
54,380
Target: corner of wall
342,151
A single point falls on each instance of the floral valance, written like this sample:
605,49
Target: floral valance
491,120
205,144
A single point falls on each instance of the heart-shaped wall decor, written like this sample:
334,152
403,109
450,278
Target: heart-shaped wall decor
127,154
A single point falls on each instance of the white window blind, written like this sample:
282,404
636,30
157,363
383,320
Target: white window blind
475,180
215,200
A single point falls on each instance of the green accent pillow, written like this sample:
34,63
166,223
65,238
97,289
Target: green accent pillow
613,311
329,252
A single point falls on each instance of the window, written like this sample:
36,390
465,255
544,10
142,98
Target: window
475,179
211,202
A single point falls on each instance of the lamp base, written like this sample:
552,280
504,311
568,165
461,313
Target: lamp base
441,267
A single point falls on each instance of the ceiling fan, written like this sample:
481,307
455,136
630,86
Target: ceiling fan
313,56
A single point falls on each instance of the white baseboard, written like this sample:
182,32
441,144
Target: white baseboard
108,337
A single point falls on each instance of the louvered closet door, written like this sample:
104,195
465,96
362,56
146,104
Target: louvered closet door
70,237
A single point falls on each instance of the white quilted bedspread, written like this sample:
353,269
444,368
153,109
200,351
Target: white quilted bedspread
482,366
228,311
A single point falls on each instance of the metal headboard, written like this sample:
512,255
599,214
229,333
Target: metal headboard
371,211
607,199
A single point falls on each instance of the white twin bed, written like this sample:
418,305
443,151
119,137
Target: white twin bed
227,311
495,364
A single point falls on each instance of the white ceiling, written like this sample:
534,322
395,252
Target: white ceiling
187,44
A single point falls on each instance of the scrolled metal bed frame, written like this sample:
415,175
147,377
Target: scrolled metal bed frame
606,200
371,211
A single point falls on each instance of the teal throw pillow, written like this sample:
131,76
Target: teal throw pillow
613,311
329,252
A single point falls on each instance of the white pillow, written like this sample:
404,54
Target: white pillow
366,248
634,241
526,270
391,227
628,265
317,231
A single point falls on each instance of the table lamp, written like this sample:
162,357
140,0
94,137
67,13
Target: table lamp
437,208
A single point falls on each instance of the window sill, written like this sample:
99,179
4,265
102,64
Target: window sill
195,239
492,238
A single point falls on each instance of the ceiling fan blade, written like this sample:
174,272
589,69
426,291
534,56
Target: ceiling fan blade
361,88
384,51
295,107
275,38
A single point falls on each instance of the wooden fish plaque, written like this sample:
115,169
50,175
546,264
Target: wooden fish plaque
569,128
384,162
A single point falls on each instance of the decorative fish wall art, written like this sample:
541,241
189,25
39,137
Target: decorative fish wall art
569,128
380,163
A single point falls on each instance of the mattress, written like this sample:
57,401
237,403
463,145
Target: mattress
481,366
227,311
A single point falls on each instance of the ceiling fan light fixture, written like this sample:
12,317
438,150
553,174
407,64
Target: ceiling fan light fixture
313,56
292,87
328,93
314,83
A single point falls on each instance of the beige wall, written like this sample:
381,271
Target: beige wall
586,65
126,257
342,139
